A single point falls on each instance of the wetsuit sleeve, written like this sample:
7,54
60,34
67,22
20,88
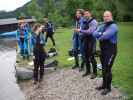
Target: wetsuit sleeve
92,28
17,34
98,31
109,32
42,39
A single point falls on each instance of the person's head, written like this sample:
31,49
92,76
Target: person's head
107,16
41,28
87,14
21,22
79,13
45,18
37,28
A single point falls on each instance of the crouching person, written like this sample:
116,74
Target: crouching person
38,42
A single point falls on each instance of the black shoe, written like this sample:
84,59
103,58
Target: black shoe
86,74
75,66
35,82
80,69
40,80
105,91
93,76
23,57
28,58
99,88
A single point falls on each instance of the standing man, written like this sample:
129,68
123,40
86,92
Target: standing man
89,42
22,37
77,44
49,29
107,35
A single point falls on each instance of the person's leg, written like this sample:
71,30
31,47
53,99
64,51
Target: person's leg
103,85
21,43
81,46
82,63
26,53
36,67
23,48
75,50
52,39
46,37
76,58
106,75
87,72
87,57
94,67
41,69
109,71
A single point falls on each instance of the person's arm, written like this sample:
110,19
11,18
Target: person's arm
43,39
92,28
53,28
32,42
109,32
97,34
98,31
17,34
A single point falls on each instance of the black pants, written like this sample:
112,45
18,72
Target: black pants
39,63
38,69
50,35
108,54
76,58
89,44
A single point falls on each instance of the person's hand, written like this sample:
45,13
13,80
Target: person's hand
33,57
103,33
100,33
77,30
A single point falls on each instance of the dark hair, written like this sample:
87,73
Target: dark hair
35,27
21,18
45,16
87,10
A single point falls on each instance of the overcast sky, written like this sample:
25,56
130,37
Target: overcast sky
10,5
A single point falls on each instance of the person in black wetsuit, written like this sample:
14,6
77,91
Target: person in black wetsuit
89,42
49,29
38,42
107,35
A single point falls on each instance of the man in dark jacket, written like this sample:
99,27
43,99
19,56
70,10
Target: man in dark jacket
49,29
89,41
107,35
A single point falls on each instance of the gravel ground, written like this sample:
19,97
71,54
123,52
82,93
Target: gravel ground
67,84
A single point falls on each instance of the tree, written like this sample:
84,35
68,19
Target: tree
35,10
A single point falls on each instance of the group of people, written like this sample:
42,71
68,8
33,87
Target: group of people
31,42
86,33
24,33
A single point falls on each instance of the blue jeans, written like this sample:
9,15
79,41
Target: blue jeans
23,45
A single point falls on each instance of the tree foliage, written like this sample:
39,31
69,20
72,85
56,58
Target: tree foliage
62,12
